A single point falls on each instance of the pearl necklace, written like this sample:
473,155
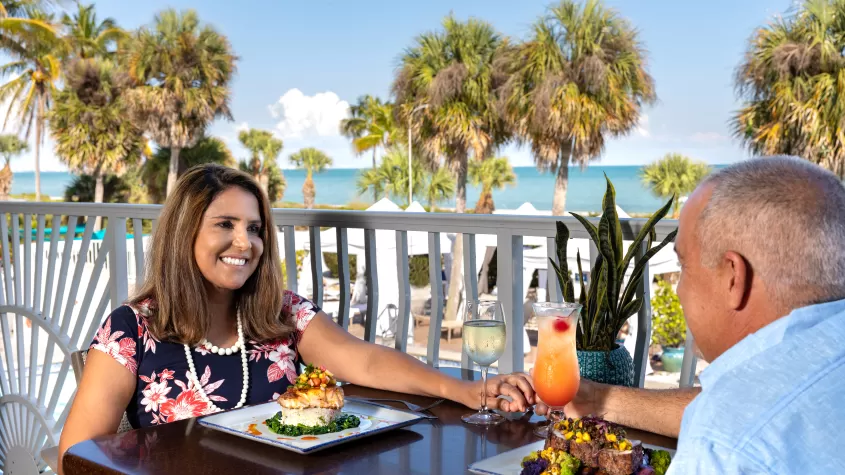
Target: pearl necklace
216,349
192,371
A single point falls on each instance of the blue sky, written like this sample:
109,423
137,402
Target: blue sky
301,63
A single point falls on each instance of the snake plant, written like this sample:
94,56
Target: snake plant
609,301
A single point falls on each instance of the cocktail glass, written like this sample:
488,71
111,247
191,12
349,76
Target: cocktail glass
556,375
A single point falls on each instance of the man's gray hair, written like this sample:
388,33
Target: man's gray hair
786,216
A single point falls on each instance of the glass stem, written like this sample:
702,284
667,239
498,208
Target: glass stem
484,388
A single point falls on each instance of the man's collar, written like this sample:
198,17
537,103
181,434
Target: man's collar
767,337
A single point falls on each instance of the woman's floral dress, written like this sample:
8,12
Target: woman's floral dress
163,391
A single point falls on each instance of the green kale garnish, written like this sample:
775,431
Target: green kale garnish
659,461
342,422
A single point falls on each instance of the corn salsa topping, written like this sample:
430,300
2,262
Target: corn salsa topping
315,377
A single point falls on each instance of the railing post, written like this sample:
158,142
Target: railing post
689,362
509,283
316,265
404,321
435,321
343,278
118,272
555,292
643,321
290,257
470,283
371,319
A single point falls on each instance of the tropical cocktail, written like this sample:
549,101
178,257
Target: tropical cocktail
556,375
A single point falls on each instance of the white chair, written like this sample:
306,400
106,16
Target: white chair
51,454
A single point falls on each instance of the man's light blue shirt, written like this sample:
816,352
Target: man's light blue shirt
774,403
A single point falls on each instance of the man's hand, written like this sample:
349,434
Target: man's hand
653,410
587,401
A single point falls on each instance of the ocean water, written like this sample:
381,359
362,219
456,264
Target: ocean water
337,187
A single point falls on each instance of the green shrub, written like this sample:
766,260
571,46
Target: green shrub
300,258
418,271
669,326
332,265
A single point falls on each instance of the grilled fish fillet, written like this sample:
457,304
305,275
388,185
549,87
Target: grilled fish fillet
328,398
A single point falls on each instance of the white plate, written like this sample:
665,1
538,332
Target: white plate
510,462
374,420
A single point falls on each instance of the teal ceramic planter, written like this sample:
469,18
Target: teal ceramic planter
610,367
672,359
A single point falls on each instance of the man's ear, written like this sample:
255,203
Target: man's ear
736,274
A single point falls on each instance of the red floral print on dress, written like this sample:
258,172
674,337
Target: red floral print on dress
142,310
121,349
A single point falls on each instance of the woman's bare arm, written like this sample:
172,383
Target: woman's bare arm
362,363
101,399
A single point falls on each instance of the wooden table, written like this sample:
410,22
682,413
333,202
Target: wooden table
443,446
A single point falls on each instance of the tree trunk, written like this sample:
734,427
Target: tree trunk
561,183
6,181
308,191
676,208
264,181
173,171
485,204
375,193
39,129
456,274
99,191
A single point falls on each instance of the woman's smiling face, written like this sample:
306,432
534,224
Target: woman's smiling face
228,245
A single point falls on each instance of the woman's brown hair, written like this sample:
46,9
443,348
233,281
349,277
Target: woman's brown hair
174,282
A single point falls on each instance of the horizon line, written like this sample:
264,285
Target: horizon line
368,168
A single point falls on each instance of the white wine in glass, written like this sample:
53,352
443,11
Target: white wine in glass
484,342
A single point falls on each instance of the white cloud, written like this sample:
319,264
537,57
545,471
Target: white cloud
242,126
642,126
308,116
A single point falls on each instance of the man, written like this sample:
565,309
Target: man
762,252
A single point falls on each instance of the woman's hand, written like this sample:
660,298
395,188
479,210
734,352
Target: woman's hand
516,386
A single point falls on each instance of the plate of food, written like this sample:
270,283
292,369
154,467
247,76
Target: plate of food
311,415
587,446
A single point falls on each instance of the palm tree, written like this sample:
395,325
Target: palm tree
82,189
580,78
275,180
90,123
276,183
491,174
791,83
370,125
10,147
439,186
34,47
312,161
447,78
674,175
390,178
88,38
22,8
155,170
184,69
264,151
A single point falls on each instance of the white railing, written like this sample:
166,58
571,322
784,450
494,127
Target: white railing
65,296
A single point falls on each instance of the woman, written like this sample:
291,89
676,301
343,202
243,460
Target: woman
211,329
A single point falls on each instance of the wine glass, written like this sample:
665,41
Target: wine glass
556,374
484,342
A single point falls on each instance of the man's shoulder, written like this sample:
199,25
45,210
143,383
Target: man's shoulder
777,407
